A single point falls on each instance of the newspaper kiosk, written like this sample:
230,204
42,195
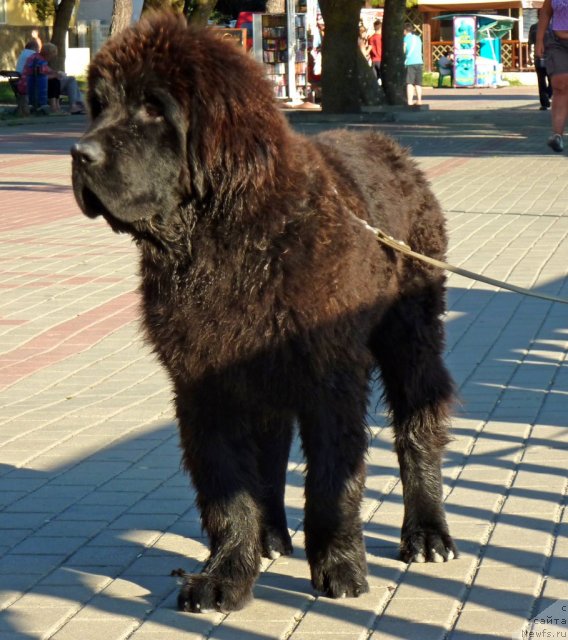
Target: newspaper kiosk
477,48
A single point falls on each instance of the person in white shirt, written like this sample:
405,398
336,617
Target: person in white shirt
30,48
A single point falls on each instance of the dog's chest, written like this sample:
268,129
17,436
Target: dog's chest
204,318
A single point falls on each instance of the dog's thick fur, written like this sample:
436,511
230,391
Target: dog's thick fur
269,302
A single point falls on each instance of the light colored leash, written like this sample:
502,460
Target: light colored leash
402,247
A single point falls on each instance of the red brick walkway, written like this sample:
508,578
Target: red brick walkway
35,196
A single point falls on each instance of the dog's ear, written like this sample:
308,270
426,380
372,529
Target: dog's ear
196,173
194,159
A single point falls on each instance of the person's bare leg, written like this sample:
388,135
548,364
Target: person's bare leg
559,111
409,94
559,102
418,88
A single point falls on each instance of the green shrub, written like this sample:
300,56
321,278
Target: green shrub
6,94
430,79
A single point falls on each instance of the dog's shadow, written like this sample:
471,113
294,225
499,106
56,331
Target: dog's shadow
110,528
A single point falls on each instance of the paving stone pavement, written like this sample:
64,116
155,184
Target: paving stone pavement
95,512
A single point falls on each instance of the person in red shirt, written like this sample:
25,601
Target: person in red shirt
244,21
376,42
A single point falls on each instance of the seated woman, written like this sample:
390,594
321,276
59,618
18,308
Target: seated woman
57,82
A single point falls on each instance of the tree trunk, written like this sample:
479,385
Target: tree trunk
392,65
61,20
198,11
340,78
369,91
121,16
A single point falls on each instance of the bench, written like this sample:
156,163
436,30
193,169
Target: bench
13,77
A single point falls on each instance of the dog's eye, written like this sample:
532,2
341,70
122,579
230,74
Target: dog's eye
152,111
97,107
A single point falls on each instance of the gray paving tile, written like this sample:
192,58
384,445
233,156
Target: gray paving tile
95,511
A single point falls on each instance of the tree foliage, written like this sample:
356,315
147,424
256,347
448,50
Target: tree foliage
198,11
44,9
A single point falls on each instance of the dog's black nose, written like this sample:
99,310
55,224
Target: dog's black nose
90,152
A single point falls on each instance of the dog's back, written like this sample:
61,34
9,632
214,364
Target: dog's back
395,191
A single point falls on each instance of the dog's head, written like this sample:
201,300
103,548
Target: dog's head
179,117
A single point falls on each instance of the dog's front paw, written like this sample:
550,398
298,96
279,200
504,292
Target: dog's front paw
203,593
340,579
427,545
276,543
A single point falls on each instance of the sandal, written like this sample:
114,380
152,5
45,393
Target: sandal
78,109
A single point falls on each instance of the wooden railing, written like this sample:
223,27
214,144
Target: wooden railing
514,54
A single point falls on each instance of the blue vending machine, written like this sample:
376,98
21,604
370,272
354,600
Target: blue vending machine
464,51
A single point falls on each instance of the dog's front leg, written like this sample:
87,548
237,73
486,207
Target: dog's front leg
221,460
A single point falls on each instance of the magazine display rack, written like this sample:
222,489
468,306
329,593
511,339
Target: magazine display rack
280,56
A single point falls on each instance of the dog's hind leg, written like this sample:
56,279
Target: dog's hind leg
221,456
335,441
408,345
273,439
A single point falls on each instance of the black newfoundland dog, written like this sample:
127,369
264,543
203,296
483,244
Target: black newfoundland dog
270,302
